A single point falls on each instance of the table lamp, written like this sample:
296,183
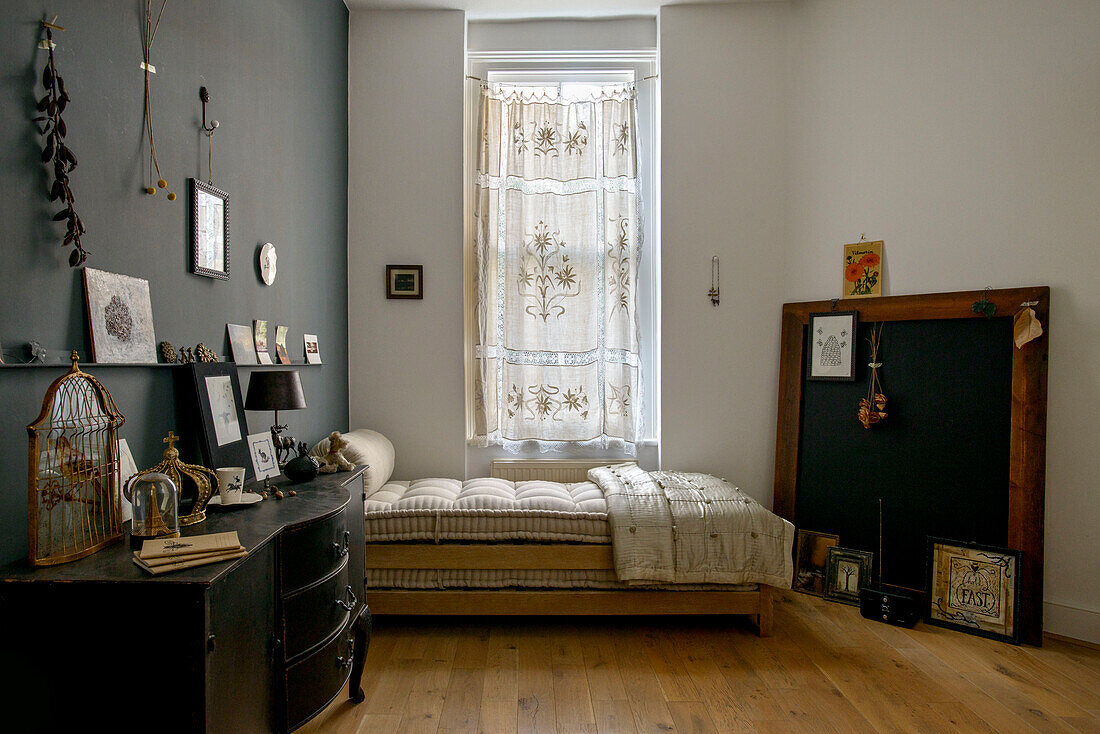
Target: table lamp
276,390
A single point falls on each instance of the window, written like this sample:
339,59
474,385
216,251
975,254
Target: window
562,306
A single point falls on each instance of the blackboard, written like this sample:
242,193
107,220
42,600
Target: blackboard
939,461
962,454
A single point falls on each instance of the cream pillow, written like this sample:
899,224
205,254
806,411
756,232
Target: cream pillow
365,447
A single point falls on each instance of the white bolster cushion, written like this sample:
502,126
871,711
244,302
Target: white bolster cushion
365,447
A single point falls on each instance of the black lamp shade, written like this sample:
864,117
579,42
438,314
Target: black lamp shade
275,390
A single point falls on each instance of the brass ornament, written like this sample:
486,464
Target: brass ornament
205,354
72,501
168,353
200,481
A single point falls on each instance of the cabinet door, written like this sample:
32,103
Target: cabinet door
240,654
357,527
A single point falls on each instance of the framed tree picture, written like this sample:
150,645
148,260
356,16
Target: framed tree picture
221,414
846,571
209,230
974,588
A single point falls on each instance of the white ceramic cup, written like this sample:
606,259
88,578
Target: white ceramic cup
230,484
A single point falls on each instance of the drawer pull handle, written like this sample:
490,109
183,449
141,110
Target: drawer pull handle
345,662
349,601
342,551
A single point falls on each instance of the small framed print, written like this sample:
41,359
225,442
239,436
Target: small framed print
404,281
262,451
242,344
846,572
313,354
832,351
209,230
862,270
810,559
974,588
221,413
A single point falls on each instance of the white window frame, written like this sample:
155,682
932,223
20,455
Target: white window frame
579,67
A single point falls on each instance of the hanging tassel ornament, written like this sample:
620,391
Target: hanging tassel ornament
872,409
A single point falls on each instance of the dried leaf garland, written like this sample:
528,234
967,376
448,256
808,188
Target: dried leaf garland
55,151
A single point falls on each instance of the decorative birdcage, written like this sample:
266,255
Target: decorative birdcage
72,501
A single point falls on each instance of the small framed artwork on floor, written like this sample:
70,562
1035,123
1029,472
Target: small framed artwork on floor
974,588
813,554
404,281
846,571
832,349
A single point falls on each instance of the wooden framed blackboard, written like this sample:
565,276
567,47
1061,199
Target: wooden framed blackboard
962,453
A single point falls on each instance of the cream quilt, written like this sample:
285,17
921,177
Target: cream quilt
691,528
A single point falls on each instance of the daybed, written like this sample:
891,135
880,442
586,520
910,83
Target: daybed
629,542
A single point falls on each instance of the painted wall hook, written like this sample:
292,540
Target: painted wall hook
204,95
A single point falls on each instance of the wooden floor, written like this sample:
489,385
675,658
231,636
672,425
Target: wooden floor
825,670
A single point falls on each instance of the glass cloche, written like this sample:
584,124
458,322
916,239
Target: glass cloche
155,506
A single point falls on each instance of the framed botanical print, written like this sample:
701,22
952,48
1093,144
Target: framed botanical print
209,230
974,588
862,270
832,346
846,571
404,281
221,414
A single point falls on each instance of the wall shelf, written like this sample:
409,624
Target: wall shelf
96,365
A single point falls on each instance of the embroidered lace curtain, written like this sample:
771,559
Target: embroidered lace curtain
556,347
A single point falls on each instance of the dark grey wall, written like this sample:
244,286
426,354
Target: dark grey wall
277,75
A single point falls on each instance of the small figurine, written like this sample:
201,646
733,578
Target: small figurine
283,444
334,460
168,353
186,357
205,353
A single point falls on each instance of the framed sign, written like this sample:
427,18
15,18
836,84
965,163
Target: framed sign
209,230
262,450
832,347
404,281
974,588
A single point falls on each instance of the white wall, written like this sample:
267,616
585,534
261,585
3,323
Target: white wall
725,175
405,207
967,136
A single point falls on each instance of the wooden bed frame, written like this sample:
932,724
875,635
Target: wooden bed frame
542,602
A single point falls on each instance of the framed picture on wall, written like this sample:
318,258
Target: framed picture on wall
209,230
404,281
832,347
974,588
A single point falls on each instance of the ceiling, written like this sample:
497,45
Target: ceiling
513,9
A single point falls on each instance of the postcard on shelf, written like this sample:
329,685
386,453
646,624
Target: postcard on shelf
175,547
259,333
313,354
862,270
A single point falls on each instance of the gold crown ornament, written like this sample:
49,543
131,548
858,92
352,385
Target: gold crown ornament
191,480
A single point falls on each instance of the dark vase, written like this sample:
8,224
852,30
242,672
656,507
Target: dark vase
302,469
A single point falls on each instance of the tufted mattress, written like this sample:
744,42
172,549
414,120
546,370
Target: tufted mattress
487,509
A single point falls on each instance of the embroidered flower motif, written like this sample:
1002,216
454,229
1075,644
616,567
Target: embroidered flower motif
618,403
622,137
546,277
546,140
618,268
577,140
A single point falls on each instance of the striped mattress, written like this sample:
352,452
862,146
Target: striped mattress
487,510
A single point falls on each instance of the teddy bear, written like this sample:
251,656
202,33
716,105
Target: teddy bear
333,460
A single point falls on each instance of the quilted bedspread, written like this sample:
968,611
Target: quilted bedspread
687,527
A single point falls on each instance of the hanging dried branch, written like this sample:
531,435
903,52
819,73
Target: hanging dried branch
55,151
149,32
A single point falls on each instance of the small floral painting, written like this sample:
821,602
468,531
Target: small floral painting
863,269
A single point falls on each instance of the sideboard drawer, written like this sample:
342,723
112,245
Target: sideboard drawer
311,615
313,551
312,683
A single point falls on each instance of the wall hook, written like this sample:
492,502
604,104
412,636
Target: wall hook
714,286
204,95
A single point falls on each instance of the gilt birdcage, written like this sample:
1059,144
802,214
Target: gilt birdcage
72,502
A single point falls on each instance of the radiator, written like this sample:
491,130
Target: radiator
552,470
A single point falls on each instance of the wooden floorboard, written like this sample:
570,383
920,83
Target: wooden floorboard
826,670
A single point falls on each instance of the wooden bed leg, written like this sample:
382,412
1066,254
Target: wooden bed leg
765,619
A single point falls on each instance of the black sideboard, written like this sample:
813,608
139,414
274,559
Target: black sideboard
259,644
